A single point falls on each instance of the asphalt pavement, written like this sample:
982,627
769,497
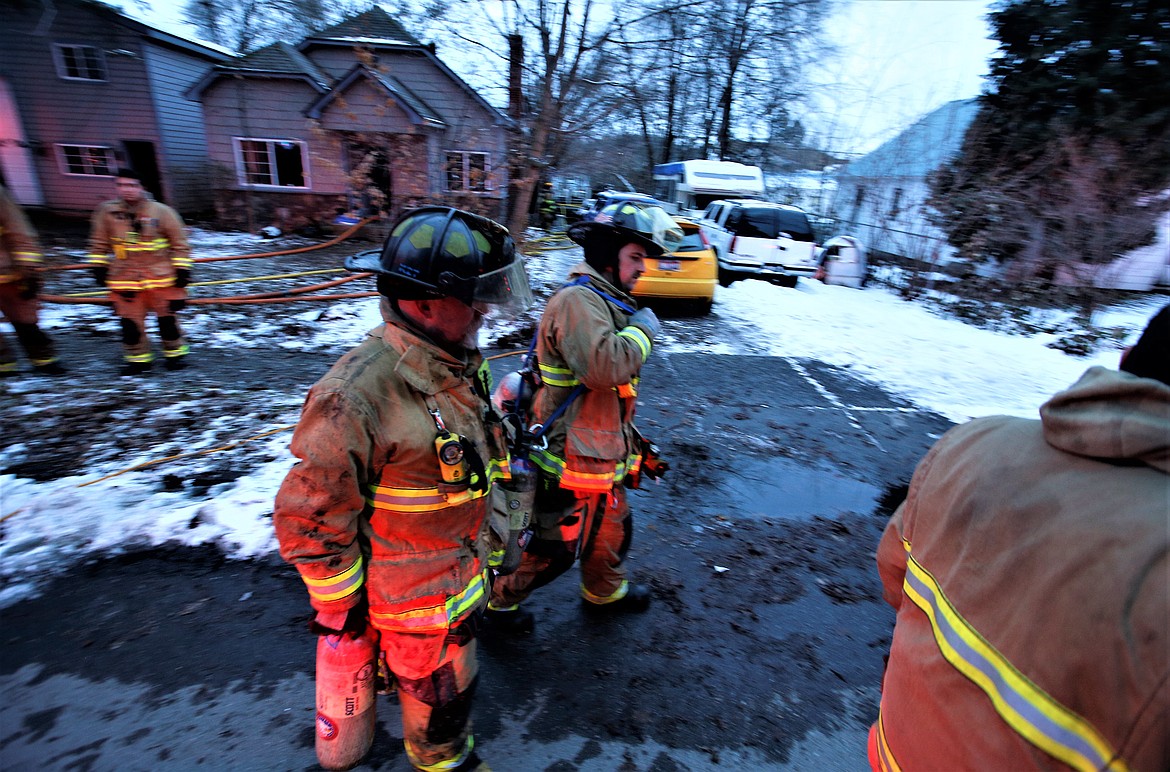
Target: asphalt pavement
762,650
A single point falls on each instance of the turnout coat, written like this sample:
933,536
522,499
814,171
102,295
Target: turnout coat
1030,570
365,510
146,243
587,340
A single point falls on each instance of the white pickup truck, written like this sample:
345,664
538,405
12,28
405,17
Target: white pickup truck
760,239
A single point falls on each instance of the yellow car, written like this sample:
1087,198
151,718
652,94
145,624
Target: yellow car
689,273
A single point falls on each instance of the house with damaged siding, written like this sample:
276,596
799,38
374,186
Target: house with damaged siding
84,90
359,117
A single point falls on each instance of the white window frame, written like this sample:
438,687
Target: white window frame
466,177
271,142
111,158
63,68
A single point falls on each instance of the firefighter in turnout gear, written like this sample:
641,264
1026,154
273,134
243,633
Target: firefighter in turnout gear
138,249
590,347
391,513
1029,568
20,257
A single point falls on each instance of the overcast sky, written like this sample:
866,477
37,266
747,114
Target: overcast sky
897,60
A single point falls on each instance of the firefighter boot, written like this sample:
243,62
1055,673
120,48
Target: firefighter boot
635,601
135,368
512,621
49,368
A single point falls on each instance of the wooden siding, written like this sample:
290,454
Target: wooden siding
183,151
267,108
367,107
334,61
104,113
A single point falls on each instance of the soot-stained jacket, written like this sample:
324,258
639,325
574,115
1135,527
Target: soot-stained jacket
366,510
1030,571
584,339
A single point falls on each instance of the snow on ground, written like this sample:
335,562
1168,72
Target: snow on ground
937,363
945,365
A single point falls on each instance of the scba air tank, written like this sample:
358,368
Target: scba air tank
346,668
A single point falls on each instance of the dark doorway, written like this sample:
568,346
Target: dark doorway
140,157
371,177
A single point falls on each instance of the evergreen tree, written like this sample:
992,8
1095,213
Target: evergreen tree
1067,164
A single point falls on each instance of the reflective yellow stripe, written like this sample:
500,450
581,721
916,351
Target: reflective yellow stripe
886,760
139,358
338,586
28,257
557,376
635,334
97,259
601,600
182,261
131,285
409,500
441,766
1027,708
181,351
436,617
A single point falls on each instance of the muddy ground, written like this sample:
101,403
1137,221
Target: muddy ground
763,648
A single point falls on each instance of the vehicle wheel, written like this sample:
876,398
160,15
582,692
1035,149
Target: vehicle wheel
725,277
703,307
787,281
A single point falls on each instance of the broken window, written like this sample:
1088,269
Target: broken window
88,159
467,171
271,162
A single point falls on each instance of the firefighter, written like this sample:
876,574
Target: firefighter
20,257
591,344
386,513
548,206
138,249
1030,571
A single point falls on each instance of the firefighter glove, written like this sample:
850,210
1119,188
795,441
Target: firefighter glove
29,287
647,320
653,464
513,551
177,305
351,620
99,274
182,277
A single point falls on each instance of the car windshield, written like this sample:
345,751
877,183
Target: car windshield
770,223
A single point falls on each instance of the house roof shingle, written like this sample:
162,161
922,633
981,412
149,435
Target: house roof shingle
369,26
279,57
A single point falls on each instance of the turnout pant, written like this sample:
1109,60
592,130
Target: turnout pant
595,528
22,314
133,307
435,698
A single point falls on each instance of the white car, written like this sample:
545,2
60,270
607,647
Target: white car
760,239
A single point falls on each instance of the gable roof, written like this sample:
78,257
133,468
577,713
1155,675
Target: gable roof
278,60
200,48
372,26
920,149
416,109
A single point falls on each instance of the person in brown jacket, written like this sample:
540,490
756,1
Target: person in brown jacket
1030,571
391,513
138,249
591,345
20,258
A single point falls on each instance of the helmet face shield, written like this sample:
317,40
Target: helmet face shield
507,287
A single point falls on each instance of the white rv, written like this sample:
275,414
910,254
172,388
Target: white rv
687,187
